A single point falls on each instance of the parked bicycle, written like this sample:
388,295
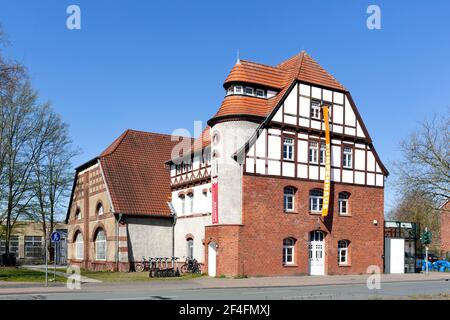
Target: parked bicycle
191,265
143,265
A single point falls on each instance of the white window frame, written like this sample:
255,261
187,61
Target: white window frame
190,248
79,246
289,197
252,91
347,157
341,201
100,246
322,153
230,90
183,204
260,93
315,201
288,251
100,210
313,152
343,252
238,89
288,148
191,202
315,110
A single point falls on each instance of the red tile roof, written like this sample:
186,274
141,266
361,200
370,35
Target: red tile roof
299,67
137,180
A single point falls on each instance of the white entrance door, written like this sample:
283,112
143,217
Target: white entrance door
212,259
316,253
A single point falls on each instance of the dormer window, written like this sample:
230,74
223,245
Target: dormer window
238,90
260,93
230,90
315,109
249,91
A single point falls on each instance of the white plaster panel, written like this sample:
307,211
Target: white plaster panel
316,93
380,180
260,166
359,177
370,161
250,165
313,172
338,114
305,89
347,176
337,128
360,159
335,156
349,114
336,175
274,147
290,104
338,98
302,152
322,173
290,119
305,105
261,144
302,171
327,95
274,167
288,169
315,124
278,115
274,131
359,130
349,131
303,122
371,179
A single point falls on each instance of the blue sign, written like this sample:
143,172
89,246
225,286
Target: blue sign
56,236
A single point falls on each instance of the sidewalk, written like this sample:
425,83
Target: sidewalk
220,283
59,273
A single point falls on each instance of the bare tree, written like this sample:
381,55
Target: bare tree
52,170
425,167
23,138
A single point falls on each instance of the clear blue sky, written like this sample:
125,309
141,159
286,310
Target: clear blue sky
159,65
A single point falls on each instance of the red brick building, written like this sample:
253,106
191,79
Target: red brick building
246,197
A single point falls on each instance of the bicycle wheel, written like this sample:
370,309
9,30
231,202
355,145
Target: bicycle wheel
184,268
139,267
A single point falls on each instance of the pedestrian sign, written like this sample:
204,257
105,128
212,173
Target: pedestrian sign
56,236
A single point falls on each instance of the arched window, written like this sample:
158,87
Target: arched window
343,203
79,246
100,245
99,209
183,203
288,251
78,214
289,197
190,197
343,252
190,248
315,200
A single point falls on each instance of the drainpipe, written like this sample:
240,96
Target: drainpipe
174,216
119,217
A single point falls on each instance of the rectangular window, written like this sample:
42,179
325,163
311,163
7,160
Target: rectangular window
230,90
288,199
288,251
238,89
322,153
315,109
313,150
315,203
33,247
249,91
190,249
343,206
260,93
288,149
347,157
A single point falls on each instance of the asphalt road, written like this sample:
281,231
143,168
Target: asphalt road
141,291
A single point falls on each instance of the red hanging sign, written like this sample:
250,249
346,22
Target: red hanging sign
215,207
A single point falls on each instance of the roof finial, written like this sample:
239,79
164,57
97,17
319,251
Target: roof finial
238,58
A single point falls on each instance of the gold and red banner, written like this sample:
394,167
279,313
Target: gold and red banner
215,196
327,179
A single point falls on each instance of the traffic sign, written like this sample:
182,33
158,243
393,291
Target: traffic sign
56,236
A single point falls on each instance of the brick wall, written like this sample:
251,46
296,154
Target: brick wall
256,247
445,228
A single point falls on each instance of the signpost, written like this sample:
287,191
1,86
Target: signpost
426,240
56,237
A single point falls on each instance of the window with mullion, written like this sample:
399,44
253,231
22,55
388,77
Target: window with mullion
289,194
288,149
313,151
288,251
315,200
347,157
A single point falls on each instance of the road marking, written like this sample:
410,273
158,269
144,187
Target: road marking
266,292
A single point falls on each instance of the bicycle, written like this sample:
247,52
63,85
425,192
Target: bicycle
141,266
191,265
